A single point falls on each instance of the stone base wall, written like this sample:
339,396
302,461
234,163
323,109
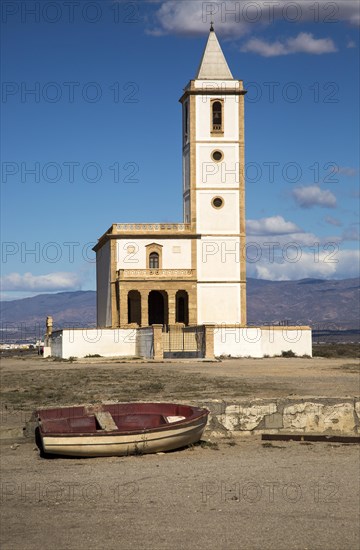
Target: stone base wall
311,415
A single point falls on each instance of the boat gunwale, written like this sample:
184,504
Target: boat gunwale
198,414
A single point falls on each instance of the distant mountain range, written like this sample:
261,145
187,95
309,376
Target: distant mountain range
332,305
315,302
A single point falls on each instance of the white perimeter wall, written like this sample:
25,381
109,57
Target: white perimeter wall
260,341
233,341
105,342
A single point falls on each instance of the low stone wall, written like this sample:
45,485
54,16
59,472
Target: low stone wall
310,415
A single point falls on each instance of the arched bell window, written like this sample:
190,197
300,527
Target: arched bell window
217,116
154,260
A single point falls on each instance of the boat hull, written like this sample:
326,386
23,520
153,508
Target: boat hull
169,436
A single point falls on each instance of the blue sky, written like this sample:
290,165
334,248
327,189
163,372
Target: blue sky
98,139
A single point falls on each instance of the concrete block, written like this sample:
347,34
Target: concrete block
357,411
274,421
229,421
320,417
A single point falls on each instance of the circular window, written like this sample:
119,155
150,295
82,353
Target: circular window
217,155
217,202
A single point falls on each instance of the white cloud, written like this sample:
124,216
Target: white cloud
333,221
191,17
312,195
234,18
40,283
302,43
351,44
346,171
275,225
273,233
330,263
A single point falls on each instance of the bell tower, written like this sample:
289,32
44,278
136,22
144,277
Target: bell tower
214,186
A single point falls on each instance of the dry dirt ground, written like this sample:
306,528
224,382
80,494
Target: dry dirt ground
248,495
230,495
30,382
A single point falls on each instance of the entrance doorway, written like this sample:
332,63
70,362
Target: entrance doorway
182,307
158,307
134,307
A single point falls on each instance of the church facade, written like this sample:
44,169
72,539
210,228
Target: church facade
191,273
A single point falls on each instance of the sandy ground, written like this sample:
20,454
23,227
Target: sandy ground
249,496
235,494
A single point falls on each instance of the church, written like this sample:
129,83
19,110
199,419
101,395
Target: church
180,288
194,272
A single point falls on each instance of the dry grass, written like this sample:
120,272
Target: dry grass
336,350
47,388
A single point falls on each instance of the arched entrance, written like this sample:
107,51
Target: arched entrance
134,307
158,307
182,307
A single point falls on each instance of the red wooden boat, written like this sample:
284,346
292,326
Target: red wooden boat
119,429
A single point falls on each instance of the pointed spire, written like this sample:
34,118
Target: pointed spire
213,65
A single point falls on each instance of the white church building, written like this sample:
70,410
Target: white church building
192,274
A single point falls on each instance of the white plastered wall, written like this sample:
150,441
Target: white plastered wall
225,173
186,169
217,84
231,118
222,220
176,253
218,259
260,341
218,303
105,342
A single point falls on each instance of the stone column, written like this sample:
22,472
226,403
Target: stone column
49,325
209,341
192,305
144,308
172,307
123,308
158,342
